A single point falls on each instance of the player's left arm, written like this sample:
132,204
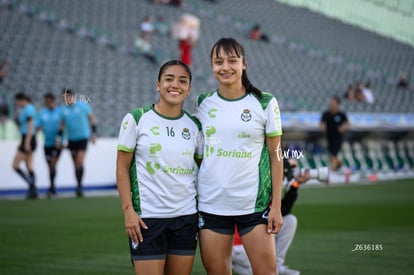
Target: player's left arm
275,220
345,125
273,130
92,121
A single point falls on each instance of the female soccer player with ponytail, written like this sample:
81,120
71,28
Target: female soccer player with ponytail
241,173
156,177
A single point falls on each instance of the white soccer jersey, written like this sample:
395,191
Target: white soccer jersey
234,177
163,172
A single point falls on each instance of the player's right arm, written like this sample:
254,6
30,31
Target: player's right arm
133,222
92,122
126,149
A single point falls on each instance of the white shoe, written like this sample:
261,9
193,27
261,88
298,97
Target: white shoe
284,270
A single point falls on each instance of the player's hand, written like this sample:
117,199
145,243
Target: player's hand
275,221
303,177
293,163
93,138
133,225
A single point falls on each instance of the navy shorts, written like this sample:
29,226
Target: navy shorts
51,152
33,144
77,145
226,224
177,236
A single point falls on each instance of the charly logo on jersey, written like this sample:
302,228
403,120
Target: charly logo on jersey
246,115
125,125
186,134
154,130
211,112
276,111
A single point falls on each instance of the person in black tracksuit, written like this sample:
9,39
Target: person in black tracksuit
333,124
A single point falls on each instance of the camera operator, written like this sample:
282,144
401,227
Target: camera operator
286,234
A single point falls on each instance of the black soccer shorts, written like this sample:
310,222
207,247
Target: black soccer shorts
177,236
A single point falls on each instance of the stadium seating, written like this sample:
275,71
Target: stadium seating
306,48
88,46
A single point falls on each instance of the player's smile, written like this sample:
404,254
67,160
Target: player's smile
226,75
174,92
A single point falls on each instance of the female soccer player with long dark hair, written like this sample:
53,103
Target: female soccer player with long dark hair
156,177
241,173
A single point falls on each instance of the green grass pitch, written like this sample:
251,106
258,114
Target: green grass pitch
86,236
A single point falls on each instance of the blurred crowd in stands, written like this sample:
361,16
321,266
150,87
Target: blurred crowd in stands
360,93
185,31
257,34
403,82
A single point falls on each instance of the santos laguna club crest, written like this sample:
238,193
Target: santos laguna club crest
186,133
246,115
